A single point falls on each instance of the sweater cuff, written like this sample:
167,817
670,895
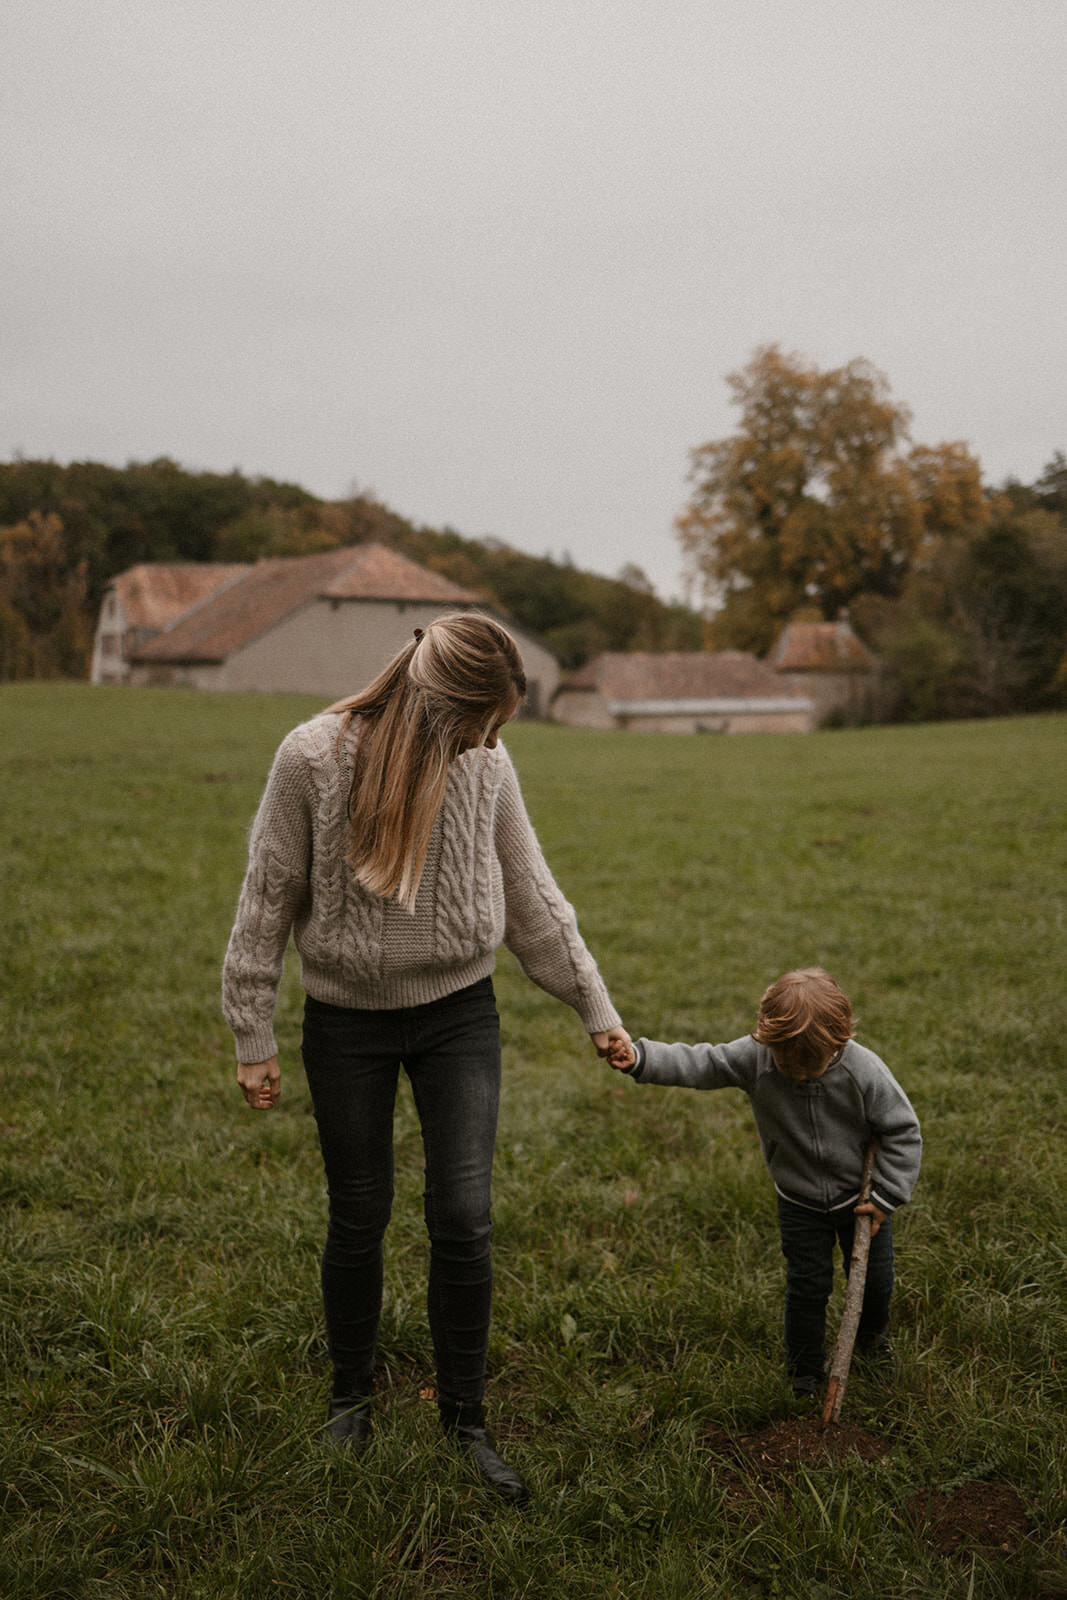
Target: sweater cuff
599,1015
255,1044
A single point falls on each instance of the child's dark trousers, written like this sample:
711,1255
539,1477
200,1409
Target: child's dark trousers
808,1239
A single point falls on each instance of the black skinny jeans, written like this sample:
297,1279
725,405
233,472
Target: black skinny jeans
808,1239
450,1050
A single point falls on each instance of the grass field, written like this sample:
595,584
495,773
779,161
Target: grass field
164,1360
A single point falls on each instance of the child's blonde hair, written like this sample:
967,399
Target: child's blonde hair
805,1018
446,691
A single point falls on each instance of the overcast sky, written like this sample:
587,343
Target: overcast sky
492,261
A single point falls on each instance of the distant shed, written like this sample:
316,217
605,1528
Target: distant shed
828,662
724,691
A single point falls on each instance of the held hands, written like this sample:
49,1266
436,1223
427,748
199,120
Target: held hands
876,1214
615,1047
261,1083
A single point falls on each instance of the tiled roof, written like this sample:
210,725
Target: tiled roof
681,675
155,594
820,647
279,585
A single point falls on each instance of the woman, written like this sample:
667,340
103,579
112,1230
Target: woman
393,842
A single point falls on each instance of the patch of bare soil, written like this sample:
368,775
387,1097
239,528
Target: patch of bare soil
985,1516
782,1444
801,1439
982,1516
772,1451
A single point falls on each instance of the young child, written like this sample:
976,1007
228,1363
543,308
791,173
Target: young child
818,1099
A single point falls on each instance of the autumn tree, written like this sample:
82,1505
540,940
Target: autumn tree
814,499
978,628
45,630
113,517
1049,493
279,531
1050,490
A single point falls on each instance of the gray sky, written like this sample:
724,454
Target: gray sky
493,261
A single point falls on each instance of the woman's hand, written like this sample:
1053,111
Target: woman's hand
605,1041
261,1083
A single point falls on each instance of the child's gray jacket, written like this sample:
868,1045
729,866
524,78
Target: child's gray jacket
814,1133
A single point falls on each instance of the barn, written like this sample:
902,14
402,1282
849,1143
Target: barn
319,625
140,602
724,691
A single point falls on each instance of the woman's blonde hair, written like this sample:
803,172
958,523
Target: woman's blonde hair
805,1017
446,691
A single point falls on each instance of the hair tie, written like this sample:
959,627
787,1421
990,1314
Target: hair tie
418,634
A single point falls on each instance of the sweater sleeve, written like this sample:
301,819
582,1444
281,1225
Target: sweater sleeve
541,929
893,1122
274,889
697,1066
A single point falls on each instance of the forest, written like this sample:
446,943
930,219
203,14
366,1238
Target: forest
819,505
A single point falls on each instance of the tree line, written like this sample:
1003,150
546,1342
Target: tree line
819,504
65,531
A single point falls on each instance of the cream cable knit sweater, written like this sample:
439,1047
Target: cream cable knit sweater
485,883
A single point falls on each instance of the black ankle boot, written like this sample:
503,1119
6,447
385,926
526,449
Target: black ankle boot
347,1425
348,1417
466,1424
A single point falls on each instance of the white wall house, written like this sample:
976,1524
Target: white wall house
321,625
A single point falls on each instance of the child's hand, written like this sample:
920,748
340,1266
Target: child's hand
876,1214
621,1054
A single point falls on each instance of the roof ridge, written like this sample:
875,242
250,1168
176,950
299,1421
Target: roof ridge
275,587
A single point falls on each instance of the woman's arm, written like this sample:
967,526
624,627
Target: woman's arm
541,929
274,888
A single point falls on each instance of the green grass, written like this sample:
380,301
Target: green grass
164,1360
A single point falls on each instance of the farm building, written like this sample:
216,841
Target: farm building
724,691
142,601
321,624
830,664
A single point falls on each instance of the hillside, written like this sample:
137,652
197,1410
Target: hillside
66,530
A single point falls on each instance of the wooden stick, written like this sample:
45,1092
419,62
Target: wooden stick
857,1282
